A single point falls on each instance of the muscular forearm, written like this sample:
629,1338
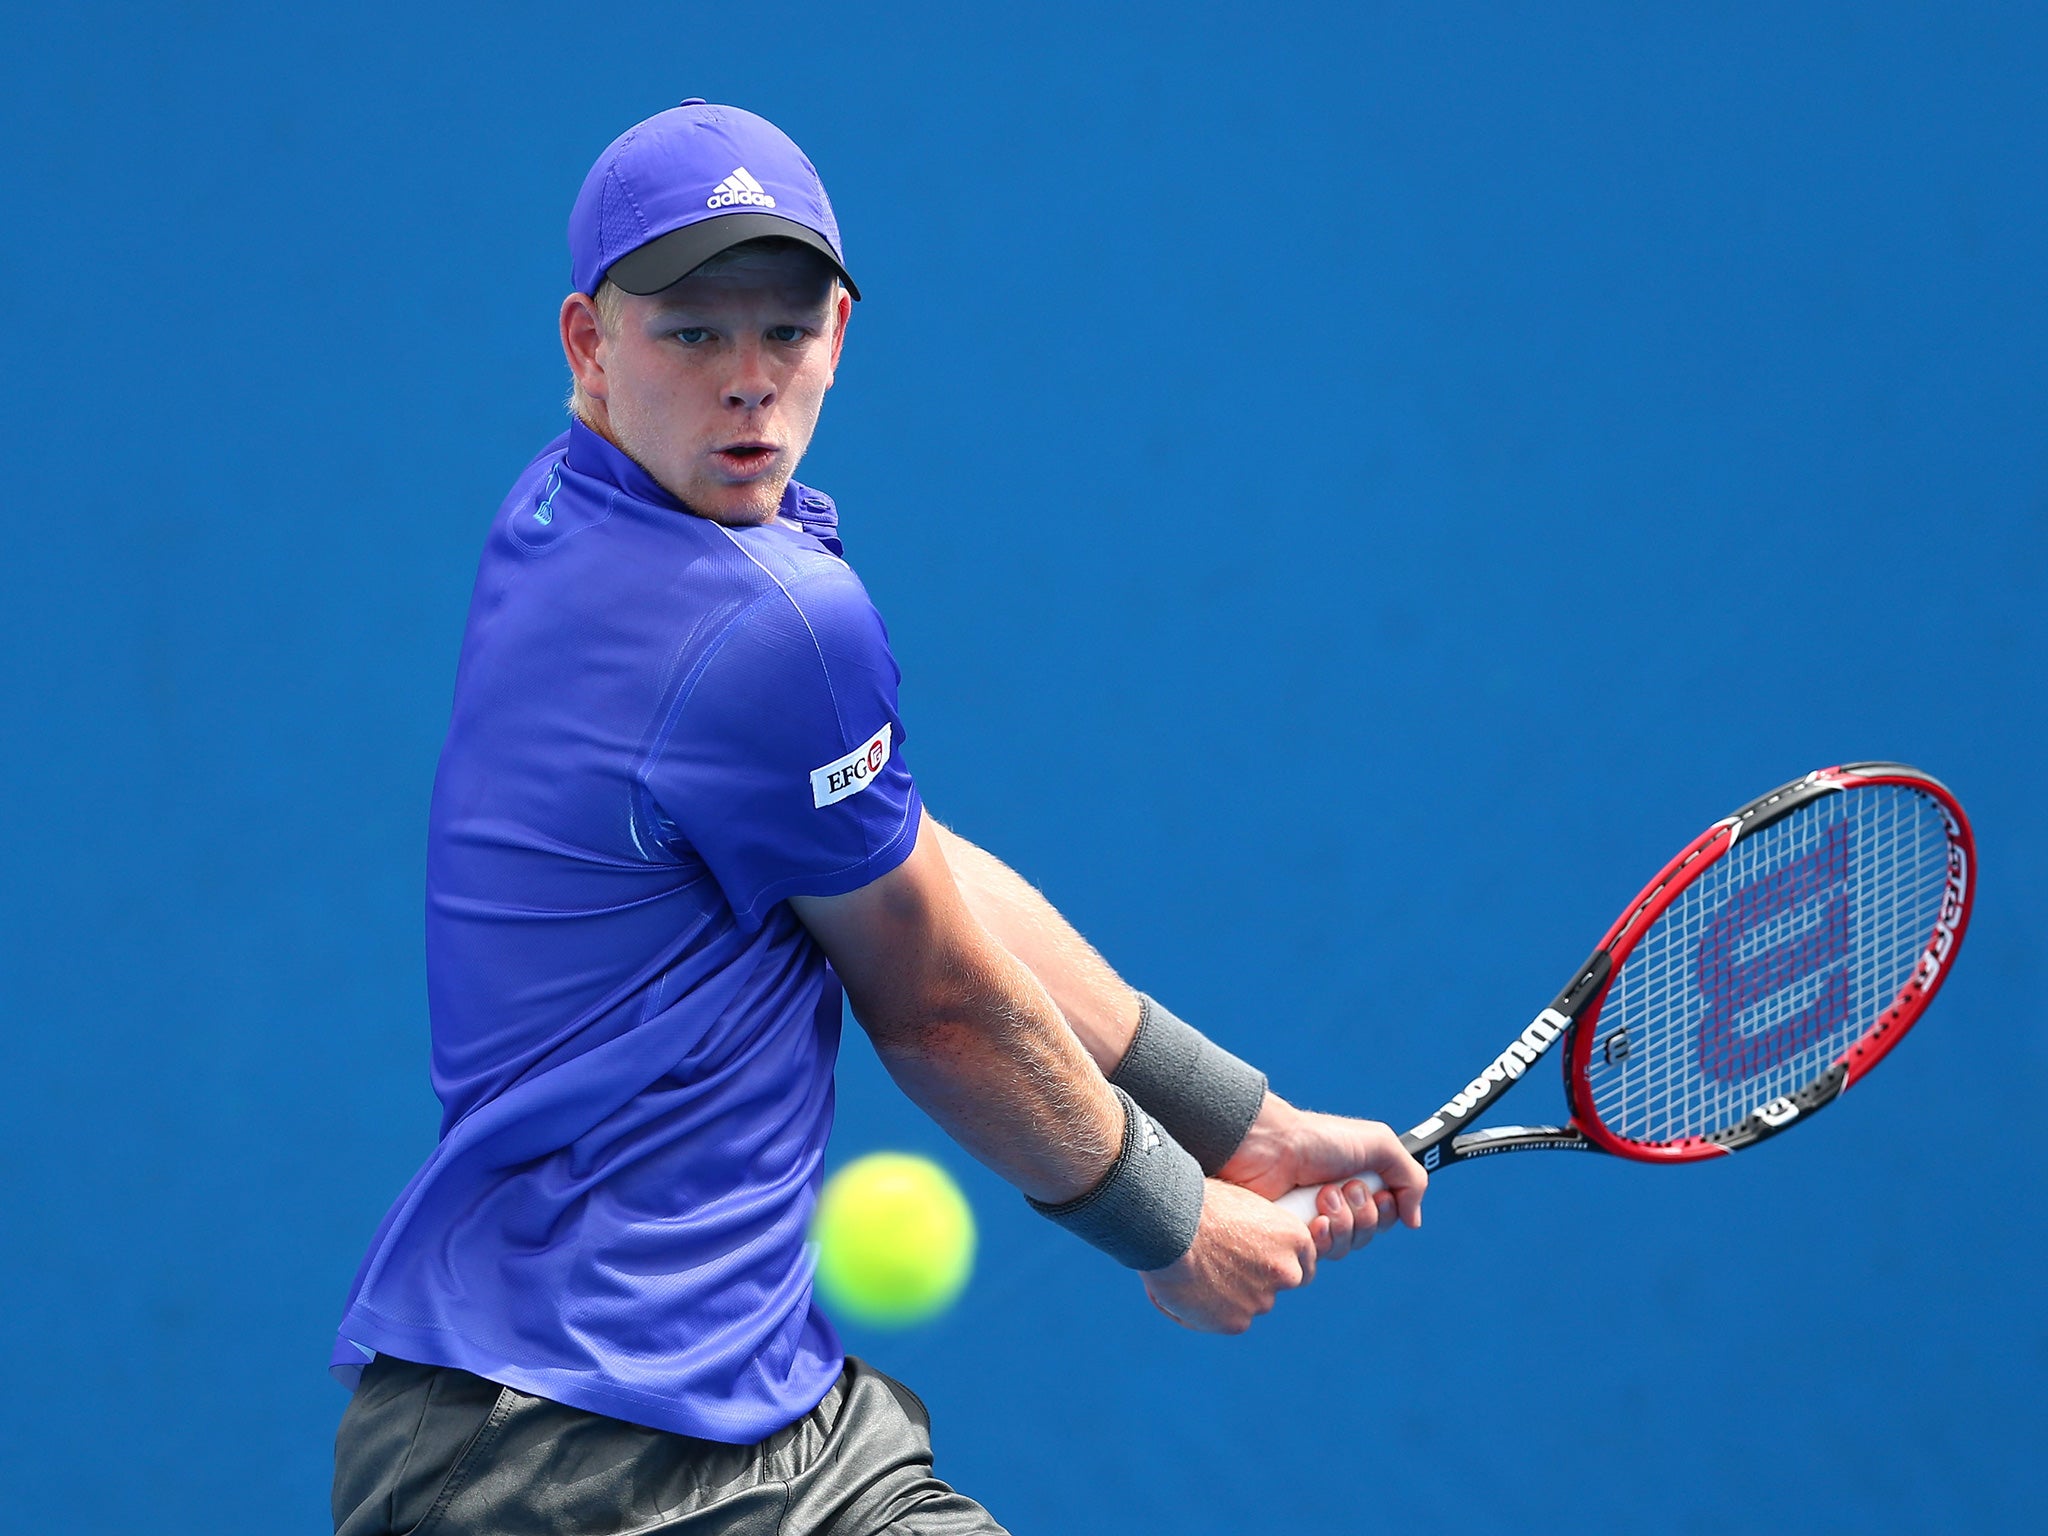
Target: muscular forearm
1098,1006
1202,1095
1001,1073
967,1030
964,1020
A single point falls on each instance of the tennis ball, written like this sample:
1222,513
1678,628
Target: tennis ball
895,1239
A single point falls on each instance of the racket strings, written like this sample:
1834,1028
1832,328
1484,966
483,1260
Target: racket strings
1770,965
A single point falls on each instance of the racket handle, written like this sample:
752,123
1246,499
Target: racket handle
1302,1202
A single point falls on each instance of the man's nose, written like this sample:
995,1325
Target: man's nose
750,388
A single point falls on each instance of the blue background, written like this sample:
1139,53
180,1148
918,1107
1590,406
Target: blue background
1353,488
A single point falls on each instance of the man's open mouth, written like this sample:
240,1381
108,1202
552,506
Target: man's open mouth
746,457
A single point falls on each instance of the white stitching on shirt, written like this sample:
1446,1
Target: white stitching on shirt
837,715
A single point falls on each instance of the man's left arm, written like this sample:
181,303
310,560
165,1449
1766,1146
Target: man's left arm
1283,1148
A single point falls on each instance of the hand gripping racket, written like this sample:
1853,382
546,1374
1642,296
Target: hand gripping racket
1772,963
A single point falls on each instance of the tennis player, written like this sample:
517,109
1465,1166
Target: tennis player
673,819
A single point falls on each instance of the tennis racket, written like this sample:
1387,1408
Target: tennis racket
1776,959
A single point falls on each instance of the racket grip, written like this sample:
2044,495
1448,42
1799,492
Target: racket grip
1302,1202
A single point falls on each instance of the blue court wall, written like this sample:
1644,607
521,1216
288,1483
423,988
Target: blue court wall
1352,487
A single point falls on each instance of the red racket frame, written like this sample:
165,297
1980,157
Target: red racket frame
1695,859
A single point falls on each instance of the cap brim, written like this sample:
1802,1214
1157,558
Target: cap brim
671,257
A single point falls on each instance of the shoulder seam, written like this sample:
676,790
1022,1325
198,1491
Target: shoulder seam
838,715
686,687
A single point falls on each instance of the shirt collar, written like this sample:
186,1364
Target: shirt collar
594,455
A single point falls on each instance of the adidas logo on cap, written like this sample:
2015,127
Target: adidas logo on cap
739,190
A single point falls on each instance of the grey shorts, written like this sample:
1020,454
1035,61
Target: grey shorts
439,1452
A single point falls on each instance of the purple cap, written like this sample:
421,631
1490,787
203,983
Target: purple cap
672,192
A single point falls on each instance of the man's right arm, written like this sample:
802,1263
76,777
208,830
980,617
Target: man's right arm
974,1039
1282,1146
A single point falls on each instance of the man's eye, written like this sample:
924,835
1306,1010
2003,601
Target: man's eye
785,333
690,335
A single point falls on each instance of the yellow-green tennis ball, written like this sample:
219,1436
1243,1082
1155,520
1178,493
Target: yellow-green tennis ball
895,1239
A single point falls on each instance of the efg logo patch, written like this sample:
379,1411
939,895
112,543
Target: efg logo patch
852,773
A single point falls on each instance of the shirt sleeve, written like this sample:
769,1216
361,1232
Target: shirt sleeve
782,764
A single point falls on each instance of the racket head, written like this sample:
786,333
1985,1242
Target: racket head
1772,963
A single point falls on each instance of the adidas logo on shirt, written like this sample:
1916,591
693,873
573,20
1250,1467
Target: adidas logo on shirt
739,190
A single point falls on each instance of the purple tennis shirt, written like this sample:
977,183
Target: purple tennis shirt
662,728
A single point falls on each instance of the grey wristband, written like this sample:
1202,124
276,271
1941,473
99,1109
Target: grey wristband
1144,1212
1204,1096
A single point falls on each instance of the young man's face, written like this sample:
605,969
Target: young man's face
713,385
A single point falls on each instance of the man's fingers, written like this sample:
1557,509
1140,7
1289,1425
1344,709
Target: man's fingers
1323,1230
1336,1220
1355,1217
1246,1252
1365,1214
1406,1182
1371,1219
1408,1207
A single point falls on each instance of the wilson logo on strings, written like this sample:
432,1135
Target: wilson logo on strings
1809,958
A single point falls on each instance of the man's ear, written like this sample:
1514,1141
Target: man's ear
845,312
582,344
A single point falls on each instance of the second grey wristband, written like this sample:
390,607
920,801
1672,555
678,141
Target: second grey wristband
1204,1096
1144,1212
